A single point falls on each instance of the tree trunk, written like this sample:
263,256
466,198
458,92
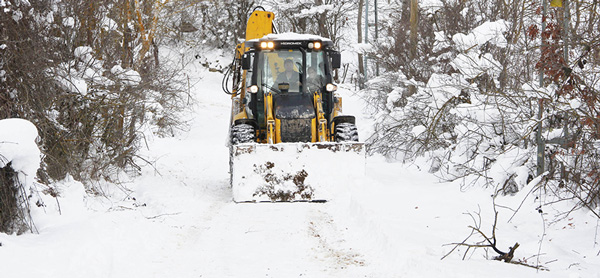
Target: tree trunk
90,23
127,54
360,40
414,35
414,21
322,21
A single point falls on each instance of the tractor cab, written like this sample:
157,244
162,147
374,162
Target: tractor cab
291,69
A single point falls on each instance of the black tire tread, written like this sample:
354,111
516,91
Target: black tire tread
346,132
242,133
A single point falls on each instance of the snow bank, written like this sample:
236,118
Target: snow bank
18,147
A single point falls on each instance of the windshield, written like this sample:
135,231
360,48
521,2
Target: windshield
315,71
286,66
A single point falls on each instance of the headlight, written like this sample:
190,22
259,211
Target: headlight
317,45
267,45
330,87
253,89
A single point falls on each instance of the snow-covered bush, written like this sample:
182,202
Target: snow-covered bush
88,74
473,111
458,116
19,162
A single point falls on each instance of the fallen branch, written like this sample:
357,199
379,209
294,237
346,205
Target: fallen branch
489,242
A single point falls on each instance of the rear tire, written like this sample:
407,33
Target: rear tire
242,133
346,132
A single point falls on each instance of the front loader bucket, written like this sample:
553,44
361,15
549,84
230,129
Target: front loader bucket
289,172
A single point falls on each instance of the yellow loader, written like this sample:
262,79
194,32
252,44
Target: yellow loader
289,140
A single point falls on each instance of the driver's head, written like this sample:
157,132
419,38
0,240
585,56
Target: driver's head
288,65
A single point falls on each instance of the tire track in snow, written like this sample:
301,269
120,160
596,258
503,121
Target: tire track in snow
264,240
332,246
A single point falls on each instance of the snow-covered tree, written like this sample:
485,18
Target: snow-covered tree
475,92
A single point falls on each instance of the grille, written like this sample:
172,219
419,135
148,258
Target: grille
296,130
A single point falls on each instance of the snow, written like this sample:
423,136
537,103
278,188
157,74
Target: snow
126,76
441,41
315,10
82,52
315,177
18,147
417,130
361,47
74,84
474,64
488,32
109,24
178,219
443,87
575,103
17,15
291,36
431,6
532,90
69,22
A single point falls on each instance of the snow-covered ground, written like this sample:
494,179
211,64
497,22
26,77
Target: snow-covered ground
179,220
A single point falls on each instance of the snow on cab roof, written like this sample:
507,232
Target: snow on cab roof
291,36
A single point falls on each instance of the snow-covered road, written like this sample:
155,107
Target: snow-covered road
178,220
216,237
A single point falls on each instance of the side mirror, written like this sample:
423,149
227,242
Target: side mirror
336,60
246,61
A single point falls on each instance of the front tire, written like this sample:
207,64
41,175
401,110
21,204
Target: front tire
346,132
242,133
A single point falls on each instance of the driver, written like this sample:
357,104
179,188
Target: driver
289,76
314,80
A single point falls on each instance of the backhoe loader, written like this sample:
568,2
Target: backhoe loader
288,138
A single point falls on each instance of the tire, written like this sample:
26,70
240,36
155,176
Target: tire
242,133
346,132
